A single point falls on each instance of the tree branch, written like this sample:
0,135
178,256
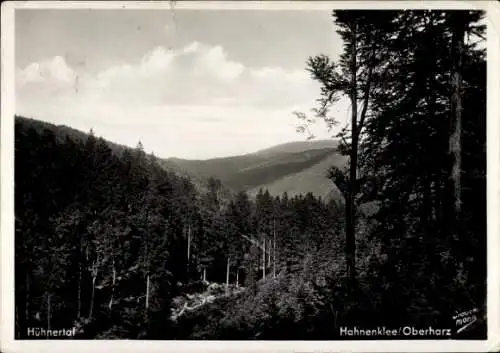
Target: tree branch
477,34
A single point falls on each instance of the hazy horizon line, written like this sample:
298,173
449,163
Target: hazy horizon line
152,152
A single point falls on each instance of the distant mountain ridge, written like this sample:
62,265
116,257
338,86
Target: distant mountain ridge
295,168
298,146
62,132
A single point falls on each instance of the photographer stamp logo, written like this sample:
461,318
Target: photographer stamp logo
465,320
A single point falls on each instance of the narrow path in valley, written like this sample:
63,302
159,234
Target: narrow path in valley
191,302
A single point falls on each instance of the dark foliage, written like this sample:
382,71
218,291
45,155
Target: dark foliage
109,240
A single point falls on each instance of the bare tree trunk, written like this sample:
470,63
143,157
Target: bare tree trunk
48,312
204,274
113,286
269,247
227,273
79,304
188,248
95,270
80,260
147,291
264,258
146,265
92,298
238,277
274,248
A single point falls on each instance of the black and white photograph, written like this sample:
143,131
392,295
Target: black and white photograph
212,171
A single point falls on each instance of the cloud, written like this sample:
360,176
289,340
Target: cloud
172,99
53,70
191,48
214,60
195,74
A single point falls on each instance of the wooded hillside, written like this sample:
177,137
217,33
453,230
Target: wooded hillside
110,241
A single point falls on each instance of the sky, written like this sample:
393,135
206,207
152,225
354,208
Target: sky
191,84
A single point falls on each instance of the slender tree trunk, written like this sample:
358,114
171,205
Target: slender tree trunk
188,248
204,274
238,277
95,270
227,273
351,192
147,291
453,194
92,298
113,287
269,247
455,143
274,248
433,183
80,260
146,264
264,258
48,311
79,304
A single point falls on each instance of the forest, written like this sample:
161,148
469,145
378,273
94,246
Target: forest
112,242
